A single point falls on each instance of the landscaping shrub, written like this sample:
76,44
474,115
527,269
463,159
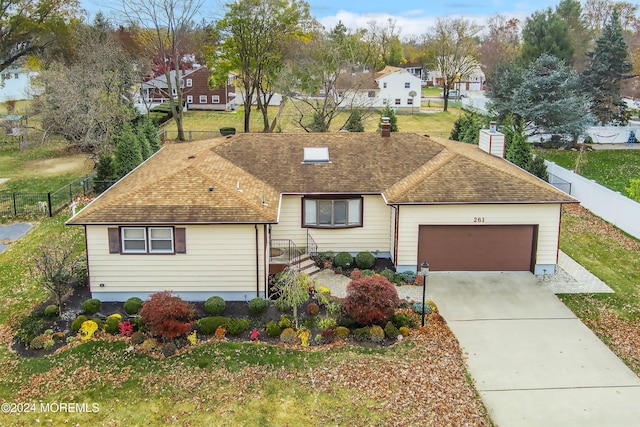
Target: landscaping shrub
138,324
335,307
417,307
30,327
391,331
343,260
404,331
327,323
215,305
289,336
437,317
318,339
77,323
285,321
91,306
258,305
327,256
227,131
367,273
80,271
168,349
132,305
138,338
371,300
273,330
51,310
363,334
432,305
388,274
408,276
237,325
327,335
167,315
97,321
341,332
112,325
365,260
398,279
208,325
355,274
377,333
313,309
37,343
401,320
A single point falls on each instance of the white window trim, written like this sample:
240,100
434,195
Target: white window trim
215,99
189,83
125,240
148,240
407,85
189,99
203,99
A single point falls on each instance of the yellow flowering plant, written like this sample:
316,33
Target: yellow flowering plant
304,335
193,338
87,329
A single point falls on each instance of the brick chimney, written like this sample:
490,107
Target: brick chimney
385,127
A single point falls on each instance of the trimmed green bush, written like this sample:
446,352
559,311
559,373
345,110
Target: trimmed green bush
37,343
132,305
237,325
404,331
138,338
208,325
215,305
258,305
51,310
30,327
391,331
367,273
313,309
409,276
343,260
285,321
401,320
289,336
76,324
112,325
363,334
377,333
91,306
417,307
227,131
341,332
327,256
388,274
273,330
327,323
365,260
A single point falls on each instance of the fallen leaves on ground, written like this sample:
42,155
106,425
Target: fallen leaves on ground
623,335
590,223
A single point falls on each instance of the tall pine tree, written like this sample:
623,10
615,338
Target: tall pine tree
609,66
127,153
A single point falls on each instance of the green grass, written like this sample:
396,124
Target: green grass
612,168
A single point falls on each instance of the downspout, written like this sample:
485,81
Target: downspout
257,262
396,226
265,229
86,254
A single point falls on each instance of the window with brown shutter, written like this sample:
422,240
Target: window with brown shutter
114,240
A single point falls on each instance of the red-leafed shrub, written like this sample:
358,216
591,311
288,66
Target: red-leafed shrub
167,315
371,299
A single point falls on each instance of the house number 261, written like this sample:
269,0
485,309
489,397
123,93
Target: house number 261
478,219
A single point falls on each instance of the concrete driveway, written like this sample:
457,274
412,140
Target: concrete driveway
534,362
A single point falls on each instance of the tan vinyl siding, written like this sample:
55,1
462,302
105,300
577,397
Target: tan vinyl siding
373,235
219,258
546,216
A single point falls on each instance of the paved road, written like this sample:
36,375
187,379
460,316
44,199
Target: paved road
12,232
534,362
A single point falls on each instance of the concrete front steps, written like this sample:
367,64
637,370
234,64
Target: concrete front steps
306,265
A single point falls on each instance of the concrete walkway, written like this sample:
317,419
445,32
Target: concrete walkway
534,362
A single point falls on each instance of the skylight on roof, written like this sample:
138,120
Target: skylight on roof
316,155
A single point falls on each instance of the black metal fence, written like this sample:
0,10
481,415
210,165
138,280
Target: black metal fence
50,203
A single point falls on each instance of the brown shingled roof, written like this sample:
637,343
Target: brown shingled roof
173,186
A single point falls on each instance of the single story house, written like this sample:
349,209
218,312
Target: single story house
216,217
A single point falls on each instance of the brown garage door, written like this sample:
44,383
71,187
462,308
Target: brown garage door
477,247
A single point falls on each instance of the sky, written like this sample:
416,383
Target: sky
413,17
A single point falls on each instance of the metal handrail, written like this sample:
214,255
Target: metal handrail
284,250
312,246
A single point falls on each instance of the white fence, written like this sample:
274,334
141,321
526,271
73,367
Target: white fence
612,134
610,205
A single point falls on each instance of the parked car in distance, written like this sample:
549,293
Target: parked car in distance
453,94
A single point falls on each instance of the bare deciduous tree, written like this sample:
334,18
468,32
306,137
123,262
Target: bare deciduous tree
53,268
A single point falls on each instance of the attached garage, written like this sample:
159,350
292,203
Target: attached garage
478,247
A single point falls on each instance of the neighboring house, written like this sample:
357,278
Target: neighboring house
392,86
417,70
216,217
15,84
195,88
475,81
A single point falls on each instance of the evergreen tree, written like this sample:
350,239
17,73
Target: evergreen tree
538,168
519,151
467,128
609,66
387,111
151,132
145,147
355,122
546,32
127,153
105,173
